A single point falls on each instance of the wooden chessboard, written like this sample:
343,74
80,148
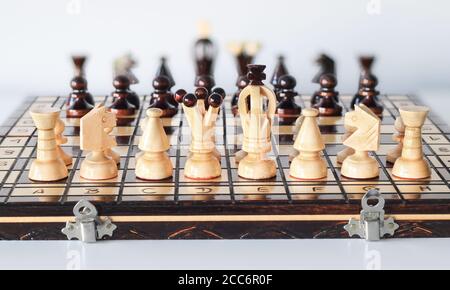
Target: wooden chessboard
226,208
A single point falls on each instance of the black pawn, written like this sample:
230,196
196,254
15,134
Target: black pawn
368,95
280,71
327,105
124,110
80,101
161,97
124,86
288,111
205,81
242,83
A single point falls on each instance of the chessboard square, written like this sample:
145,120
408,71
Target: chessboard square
21,132
34,199
4,192
221,179
92,198
363,189
314,189
441,150
432,196
423,189
14,142
435,161
204,198
6,164
327,197
25,122
46,99
78,179
92,191
285,150
2,176
360,196
445,160
147,198
204,190
41,106
384,149
398,97
403,103
430,129
388,129
12,177
262,189
38,191
149,190
261,197
27,152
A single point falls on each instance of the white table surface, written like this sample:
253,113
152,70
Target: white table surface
243,255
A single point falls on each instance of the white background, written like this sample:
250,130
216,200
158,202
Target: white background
410,37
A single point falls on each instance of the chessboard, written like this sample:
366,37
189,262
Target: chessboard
226,208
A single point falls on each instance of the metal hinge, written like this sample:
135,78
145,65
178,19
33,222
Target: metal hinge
372,226
88,227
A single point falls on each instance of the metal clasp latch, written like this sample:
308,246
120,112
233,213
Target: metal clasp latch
372,225
88,227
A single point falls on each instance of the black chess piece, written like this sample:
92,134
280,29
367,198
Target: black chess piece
132,97
242,83
164,70
162,95
79,62
205,81
280,71
205,53
327,66
368,95
327,105
124,110
366,63
80,101
256,74
288,111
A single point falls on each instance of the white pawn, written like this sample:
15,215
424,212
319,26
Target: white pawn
48,165
298,125
309,165
395,153
154,163
60,140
